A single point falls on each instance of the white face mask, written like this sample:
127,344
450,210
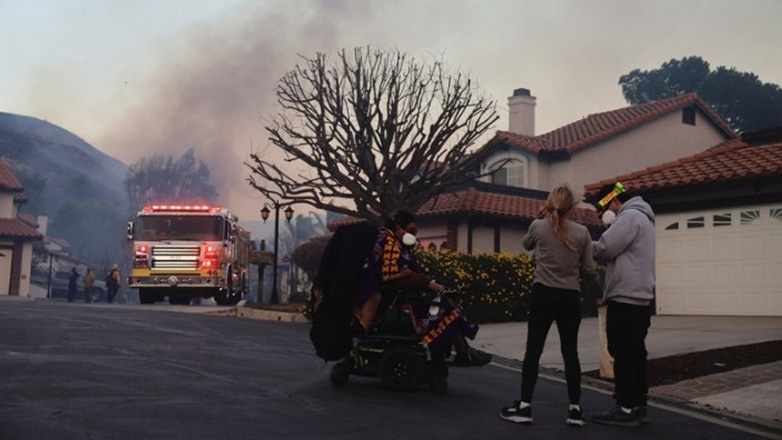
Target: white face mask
409,239
608,217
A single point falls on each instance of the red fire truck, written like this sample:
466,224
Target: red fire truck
188,251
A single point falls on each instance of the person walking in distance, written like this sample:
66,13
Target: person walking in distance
112,283
72,280
563,250
627,250
89,280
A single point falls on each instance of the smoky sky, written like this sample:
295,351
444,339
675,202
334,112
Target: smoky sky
211,85
216,91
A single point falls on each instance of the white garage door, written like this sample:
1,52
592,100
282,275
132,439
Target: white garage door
720,262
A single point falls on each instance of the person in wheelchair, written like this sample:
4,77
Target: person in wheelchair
394,281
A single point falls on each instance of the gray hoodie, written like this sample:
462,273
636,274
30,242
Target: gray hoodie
627,250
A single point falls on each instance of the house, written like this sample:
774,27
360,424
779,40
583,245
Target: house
520,167
16,237
718,228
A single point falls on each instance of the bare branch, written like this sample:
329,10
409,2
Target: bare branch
370,133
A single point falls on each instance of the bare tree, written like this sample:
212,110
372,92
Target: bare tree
374,132
163,179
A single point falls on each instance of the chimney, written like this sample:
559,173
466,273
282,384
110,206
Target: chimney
521,109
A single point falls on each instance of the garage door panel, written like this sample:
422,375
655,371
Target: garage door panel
670,250
733,268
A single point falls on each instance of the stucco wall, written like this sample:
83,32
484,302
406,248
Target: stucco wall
662,140
27,264
510,239
7,205
6,255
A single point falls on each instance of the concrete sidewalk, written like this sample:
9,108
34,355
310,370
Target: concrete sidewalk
749,394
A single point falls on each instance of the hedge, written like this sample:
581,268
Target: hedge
494,287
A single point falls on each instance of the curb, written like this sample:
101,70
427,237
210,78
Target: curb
725,417
262,314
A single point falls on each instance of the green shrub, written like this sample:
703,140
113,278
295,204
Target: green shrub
495,287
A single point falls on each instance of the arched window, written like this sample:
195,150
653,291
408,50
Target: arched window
511,173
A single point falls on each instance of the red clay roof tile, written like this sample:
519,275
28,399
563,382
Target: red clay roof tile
600,126
473,201
16,229
730,160
8,180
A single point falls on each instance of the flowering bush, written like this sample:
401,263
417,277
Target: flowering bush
495,286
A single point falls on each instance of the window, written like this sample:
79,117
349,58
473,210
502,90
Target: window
511,174
721,219
688,115
672,226
748,217
776,213
695,223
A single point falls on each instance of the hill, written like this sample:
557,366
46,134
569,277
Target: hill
77,186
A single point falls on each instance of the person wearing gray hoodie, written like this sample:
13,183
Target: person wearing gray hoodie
626,249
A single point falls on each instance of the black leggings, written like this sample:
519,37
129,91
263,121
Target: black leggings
548,304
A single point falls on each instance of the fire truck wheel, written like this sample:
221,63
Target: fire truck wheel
221,298
146,297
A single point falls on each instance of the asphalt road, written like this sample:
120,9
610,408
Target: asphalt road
94,371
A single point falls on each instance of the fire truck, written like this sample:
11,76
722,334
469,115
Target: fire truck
188,251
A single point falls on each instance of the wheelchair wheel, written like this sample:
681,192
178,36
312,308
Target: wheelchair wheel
401,368
339,374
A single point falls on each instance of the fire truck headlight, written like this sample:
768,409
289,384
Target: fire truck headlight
173,281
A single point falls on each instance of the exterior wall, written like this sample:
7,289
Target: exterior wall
461,234
663,140
511,236
510,239
27,265
7,251
6,205
482,239
429,233
560,172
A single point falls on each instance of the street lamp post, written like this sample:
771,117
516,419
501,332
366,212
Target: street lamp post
52,256
288,215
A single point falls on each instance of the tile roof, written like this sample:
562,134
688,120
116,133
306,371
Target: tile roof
8,181
473,201
14,228
729,161
600,126
29,219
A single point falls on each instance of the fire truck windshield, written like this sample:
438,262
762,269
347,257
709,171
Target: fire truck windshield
180,227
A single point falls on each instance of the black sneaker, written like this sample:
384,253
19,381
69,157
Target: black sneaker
473,358
617,417
575,418
642,414
517,415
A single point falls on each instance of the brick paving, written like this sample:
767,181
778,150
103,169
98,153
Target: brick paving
721,382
